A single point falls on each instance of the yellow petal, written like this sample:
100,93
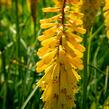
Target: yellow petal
51,9
52,19
47,25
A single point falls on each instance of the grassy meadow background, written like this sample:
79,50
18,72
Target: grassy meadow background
19,29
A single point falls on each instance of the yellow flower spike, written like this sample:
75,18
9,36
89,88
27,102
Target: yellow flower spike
90,9
61,54
106,15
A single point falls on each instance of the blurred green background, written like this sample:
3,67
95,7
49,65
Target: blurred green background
19,28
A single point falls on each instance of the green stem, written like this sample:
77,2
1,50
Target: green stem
96,32
44,5
95,73
29,98
84,103
3,64
5,95
106,80
94,67
19,93
88,53
17,35
35,29
87,45
5,77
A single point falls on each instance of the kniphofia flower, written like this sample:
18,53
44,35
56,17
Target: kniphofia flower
61,54
106,15
89,8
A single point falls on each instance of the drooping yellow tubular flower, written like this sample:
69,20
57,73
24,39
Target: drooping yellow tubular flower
90,9
106,15
61,54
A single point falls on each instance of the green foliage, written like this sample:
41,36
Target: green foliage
18,48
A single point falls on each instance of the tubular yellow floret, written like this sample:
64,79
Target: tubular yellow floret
61,54
106,15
